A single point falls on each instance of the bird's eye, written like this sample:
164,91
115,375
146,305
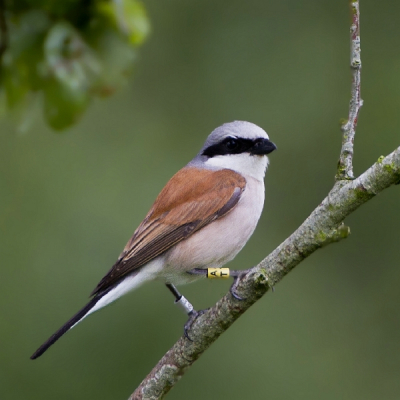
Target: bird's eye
231,144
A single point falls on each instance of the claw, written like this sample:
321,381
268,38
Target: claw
236,275
193,315
234,293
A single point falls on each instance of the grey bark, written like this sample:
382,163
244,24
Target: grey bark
345,164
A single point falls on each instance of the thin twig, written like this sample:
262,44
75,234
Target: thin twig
3,29
345,164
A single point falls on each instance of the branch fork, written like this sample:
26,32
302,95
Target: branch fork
324,225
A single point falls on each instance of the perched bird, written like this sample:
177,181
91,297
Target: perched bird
202,218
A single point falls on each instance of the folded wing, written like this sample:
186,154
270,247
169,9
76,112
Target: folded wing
192,199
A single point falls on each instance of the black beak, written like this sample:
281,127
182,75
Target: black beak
262,147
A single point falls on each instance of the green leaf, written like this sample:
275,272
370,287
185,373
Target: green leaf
129,16
63,104
16,84
25,51
68,58
117,57
69,51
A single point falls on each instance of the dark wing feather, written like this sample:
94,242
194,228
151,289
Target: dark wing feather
189,201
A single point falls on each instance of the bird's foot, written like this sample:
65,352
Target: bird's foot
193,315
236,278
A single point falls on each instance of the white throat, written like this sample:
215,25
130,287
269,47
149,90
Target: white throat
243,163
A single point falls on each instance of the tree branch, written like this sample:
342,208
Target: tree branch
345,164
323,226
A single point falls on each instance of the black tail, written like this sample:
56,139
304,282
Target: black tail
76,318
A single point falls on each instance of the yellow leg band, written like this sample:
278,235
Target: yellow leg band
213,273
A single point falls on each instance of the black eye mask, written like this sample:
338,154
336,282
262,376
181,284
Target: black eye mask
233,145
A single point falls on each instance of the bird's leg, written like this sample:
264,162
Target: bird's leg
212,273
187,307
198,271
222,273
180,300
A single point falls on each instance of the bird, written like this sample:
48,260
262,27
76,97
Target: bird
201,219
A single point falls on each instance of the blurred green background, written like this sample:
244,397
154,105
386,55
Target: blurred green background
70,201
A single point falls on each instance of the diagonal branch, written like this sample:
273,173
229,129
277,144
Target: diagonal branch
323,226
